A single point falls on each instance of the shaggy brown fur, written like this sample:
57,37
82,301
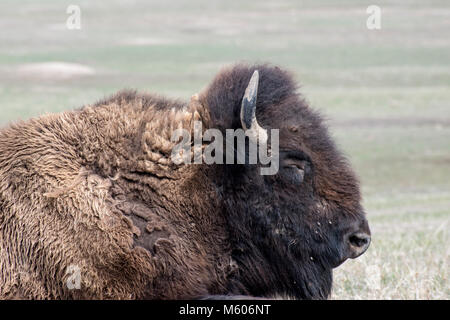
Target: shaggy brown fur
96,188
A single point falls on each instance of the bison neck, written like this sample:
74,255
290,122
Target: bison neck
266,267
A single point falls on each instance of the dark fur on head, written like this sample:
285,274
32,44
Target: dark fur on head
286,236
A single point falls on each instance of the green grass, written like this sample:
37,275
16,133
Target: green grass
386,95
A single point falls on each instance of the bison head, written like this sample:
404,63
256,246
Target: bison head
288,230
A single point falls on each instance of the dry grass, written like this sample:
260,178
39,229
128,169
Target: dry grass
408,258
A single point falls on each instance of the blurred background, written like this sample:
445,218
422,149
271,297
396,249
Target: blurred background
385,93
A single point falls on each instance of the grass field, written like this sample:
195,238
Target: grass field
385,92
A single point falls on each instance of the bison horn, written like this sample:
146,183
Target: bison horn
248,112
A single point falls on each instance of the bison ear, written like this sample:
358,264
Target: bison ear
248,112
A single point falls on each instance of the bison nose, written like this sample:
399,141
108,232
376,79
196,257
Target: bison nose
357,242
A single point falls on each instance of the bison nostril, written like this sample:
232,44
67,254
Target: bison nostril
358,240
358,243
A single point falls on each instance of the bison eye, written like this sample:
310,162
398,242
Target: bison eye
295,170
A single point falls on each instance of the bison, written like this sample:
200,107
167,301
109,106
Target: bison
92,206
